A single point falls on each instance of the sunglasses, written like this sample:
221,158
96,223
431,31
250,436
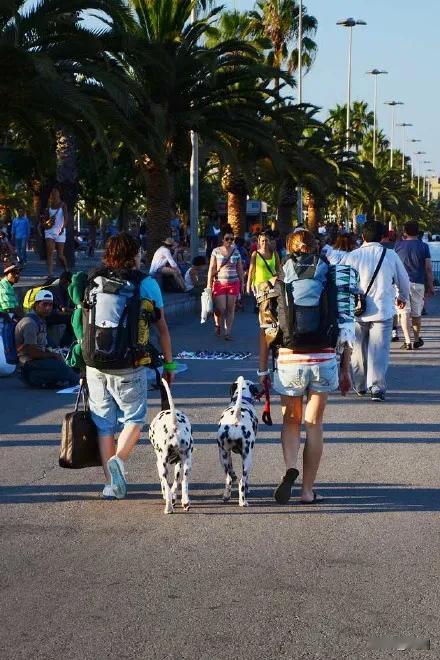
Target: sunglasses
229,239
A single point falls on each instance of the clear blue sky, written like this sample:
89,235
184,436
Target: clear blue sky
402,37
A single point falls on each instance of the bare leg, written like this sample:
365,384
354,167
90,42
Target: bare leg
127,440
60,252
313,449
291,407
230,314
107,450
405,322
219,310
416,326
50,246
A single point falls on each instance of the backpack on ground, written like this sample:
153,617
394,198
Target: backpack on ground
116,321
307,307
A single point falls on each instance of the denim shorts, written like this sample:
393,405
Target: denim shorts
299,379
117,400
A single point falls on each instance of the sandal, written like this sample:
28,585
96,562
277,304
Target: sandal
228,338
283,492
217,331
317,499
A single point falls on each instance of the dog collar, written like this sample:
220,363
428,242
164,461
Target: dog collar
247,399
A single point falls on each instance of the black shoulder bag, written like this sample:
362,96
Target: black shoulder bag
361,298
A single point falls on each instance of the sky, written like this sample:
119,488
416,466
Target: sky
401,37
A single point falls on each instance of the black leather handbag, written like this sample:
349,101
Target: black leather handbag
79,436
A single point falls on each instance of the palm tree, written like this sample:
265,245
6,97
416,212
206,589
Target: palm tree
219,92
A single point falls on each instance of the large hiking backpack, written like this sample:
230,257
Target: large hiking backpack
115,321
306,305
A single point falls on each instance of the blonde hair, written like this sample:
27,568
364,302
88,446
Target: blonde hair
301,240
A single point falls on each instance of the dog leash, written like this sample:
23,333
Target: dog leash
266,416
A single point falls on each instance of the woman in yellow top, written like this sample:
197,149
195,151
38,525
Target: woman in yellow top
265,264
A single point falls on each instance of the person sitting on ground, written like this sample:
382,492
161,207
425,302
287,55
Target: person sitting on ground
59,322
163,263
40,366
179,257
8,297
341,247
195,276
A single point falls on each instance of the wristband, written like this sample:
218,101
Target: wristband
170,366
263,373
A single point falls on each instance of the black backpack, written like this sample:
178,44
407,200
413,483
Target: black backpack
112,313
306,305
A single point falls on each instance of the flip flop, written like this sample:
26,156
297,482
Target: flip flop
282,493
317,499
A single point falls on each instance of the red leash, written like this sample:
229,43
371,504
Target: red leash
266,417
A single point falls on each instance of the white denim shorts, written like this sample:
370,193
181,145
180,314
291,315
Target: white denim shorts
300,379
53,234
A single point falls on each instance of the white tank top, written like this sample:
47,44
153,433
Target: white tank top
59,218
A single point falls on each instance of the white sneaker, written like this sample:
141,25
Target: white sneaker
108,493
117,472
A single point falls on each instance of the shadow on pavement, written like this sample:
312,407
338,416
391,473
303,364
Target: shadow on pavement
339,497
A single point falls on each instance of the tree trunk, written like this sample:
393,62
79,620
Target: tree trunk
36,212
287,201
237,212
312,214
159,207
67,177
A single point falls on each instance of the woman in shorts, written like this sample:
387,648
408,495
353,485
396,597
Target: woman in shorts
300,378
55,223
225,277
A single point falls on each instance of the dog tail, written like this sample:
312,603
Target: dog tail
237,408
171,404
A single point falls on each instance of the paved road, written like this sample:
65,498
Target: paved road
87,579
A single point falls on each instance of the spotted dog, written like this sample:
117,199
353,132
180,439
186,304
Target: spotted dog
237,433
171,436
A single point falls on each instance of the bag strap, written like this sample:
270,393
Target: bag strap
84,394
225,263
266,263
382,257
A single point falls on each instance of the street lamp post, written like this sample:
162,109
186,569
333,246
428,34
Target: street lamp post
299,192
404,125
419,153
349,23
425,162
412,159
375,73
428,184
194,181
393,107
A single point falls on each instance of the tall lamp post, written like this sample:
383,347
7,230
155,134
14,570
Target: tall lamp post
299,199
349,23
428,184
375,73
393,108
412,159
425,162
194,181
418,154
404,125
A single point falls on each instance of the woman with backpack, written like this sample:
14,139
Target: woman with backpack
225,278
306,364
118,392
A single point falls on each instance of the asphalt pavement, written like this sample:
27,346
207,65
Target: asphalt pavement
88,579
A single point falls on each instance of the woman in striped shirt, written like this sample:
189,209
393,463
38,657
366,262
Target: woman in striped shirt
225,277
300,373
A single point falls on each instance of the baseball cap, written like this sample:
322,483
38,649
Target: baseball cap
44,296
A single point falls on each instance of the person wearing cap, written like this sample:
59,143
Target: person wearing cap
163,263
8,297
41,367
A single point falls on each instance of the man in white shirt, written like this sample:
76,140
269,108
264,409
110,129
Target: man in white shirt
373,329
163,262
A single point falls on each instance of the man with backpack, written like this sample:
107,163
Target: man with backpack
119,306
384,284
310,322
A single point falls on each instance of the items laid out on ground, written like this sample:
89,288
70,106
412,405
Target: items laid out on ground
212,355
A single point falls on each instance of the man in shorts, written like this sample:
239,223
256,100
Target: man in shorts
416,258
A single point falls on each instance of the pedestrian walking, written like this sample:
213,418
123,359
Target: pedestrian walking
21,231
118,395
384,283
225,278
305,364
55,223
416,258
212,233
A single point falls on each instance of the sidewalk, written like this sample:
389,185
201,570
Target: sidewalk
88,579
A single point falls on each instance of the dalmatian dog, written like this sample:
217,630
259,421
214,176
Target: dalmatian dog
237,433
171,436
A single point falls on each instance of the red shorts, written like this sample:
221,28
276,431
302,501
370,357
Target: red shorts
226,289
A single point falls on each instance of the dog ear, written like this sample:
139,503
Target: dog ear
254,389
232,389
